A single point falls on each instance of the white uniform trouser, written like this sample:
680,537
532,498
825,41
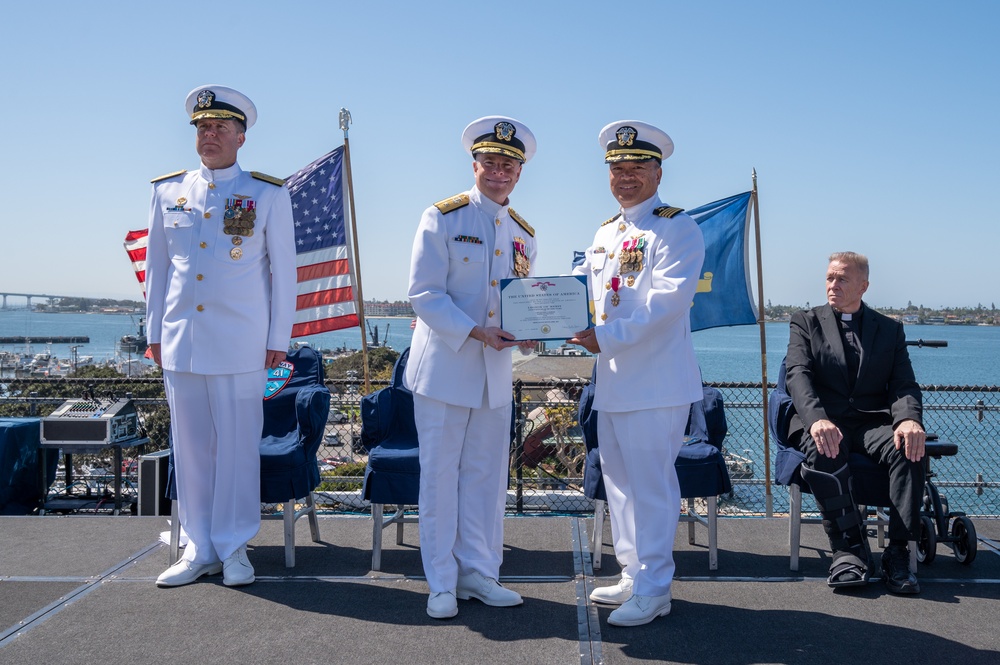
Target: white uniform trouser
638,450
216,423
464,456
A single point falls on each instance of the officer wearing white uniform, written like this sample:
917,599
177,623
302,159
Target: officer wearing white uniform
221,287
642,271
459,368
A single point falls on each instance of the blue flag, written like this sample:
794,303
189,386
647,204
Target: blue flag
725,294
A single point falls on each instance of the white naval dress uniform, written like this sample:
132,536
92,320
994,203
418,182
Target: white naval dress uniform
216,307
647,378
461,389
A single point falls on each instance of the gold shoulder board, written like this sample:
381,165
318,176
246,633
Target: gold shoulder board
267,178
169,175
608,221
453,203
667,211
520,220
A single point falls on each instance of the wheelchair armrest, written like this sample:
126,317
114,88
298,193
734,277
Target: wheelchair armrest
938,449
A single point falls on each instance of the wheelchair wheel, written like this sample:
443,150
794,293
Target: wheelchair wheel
927,544
965,545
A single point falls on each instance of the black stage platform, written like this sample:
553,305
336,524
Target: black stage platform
81,590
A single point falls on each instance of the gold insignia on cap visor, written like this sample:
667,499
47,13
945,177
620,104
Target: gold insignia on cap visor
504,131
625,135
205,99
634,141
504,143
633,150
210,107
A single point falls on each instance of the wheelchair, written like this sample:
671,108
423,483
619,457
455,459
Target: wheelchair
938,523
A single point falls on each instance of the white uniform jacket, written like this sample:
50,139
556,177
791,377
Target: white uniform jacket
216,306
647,358
455,286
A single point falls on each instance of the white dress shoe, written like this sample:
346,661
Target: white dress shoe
184,572
616,594
639,610
236,569
442,605
486,589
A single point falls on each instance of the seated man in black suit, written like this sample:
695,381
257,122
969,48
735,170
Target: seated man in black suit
852,384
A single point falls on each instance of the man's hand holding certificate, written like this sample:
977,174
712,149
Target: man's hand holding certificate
544,308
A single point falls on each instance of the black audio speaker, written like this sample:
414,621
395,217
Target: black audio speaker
153,478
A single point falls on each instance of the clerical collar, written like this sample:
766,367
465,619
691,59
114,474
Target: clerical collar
846,316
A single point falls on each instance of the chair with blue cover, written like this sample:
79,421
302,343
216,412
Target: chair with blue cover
701,468
26,469
392,475
870,482
296,408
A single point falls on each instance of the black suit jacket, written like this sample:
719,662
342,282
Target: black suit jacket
817,376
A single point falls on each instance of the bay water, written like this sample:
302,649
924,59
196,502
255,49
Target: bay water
972,356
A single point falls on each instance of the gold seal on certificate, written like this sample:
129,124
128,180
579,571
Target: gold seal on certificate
544,308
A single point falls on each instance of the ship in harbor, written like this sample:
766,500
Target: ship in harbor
134,343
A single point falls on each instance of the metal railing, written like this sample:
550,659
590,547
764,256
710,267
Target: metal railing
547,450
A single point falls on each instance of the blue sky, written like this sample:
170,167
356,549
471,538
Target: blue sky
872,126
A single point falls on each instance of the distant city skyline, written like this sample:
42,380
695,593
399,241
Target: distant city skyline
378,307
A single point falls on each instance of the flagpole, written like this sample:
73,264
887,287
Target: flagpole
768,496
345,121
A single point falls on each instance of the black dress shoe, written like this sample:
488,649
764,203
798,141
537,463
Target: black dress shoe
896,570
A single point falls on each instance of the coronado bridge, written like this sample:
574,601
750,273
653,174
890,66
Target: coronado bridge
28,297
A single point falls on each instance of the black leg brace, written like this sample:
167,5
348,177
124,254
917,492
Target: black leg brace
841,518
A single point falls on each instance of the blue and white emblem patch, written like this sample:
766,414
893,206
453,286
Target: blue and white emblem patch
278,378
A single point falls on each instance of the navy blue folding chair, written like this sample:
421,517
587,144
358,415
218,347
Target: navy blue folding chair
701,468
392,476
296,408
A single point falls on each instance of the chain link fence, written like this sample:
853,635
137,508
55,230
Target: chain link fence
547,453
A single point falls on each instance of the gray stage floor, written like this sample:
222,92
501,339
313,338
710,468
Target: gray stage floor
80,590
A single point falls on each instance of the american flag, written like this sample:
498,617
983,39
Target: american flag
326,294
135,245
325,298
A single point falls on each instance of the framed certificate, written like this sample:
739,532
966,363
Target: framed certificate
544,308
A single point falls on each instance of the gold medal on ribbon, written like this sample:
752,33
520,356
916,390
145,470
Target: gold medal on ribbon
522,265
615,298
